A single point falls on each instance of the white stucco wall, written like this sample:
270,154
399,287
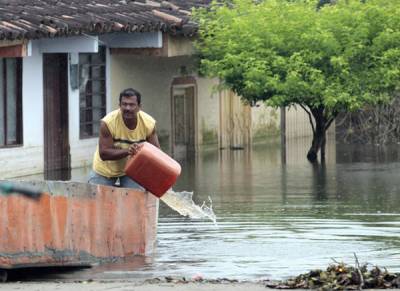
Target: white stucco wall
81,150
28,159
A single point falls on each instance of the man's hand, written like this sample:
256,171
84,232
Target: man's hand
134,148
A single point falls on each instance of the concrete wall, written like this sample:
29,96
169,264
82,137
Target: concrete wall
208,111
153,77
266,123
179,46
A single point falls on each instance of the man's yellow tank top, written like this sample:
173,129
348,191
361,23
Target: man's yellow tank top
123,137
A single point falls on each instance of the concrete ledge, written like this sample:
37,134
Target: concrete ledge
75,224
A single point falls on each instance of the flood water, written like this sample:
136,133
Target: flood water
275,220
279,220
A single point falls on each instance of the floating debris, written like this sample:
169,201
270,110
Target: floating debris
195,279
340,276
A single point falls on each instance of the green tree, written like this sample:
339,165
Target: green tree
326,58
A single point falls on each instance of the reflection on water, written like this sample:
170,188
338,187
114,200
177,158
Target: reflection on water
58,175
279,220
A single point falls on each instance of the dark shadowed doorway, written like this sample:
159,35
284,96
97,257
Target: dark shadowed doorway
57,161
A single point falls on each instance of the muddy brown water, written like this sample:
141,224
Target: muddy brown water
274,220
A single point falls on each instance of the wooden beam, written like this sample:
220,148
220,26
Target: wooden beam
184,81
6,42
13,51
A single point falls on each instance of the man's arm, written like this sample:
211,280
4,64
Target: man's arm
107,150
153,138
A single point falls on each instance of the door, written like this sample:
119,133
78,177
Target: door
183,136
57,161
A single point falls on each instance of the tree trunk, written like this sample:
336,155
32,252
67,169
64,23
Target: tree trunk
319,135
318,143
322,123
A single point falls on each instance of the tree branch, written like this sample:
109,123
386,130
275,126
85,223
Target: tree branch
309,117
362,282
329,122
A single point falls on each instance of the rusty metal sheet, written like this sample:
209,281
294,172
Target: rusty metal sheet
75,224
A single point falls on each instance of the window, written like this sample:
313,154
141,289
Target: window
10,102
92,92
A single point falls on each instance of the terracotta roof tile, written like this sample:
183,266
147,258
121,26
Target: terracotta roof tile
32,19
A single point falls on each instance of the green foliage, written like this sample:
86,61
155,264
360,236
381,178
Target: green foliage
338,57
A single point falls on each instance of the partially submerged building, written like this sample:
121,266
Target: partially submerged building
63,64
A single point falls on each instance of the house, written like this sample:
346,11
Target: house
63,64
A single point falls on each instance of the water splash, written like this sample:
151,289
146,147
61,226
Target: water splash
182,202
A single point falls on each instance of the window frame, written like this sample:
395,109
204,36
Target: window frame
18,104
86,110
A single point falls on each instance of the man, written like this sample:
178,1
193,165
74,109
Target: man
121,131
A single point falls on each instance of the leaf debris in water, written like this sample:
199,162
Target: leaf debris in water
341,277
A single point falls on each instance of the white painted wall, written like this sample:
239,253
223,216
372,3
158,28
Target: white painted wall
72,44
81,150
32,98
28,159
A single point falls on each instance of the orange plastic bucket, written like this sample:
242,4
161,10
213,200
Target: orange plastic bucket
153,169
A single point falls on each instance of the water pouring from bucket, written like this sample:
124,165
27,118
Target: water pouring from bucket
157,172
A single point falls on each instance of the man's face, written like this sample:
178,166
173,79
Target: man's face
129,107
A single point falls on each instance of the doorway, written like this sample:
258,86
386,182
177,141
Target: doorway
183,116
57,160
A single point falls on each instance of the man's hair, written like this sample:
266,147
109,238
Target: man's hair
130,92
